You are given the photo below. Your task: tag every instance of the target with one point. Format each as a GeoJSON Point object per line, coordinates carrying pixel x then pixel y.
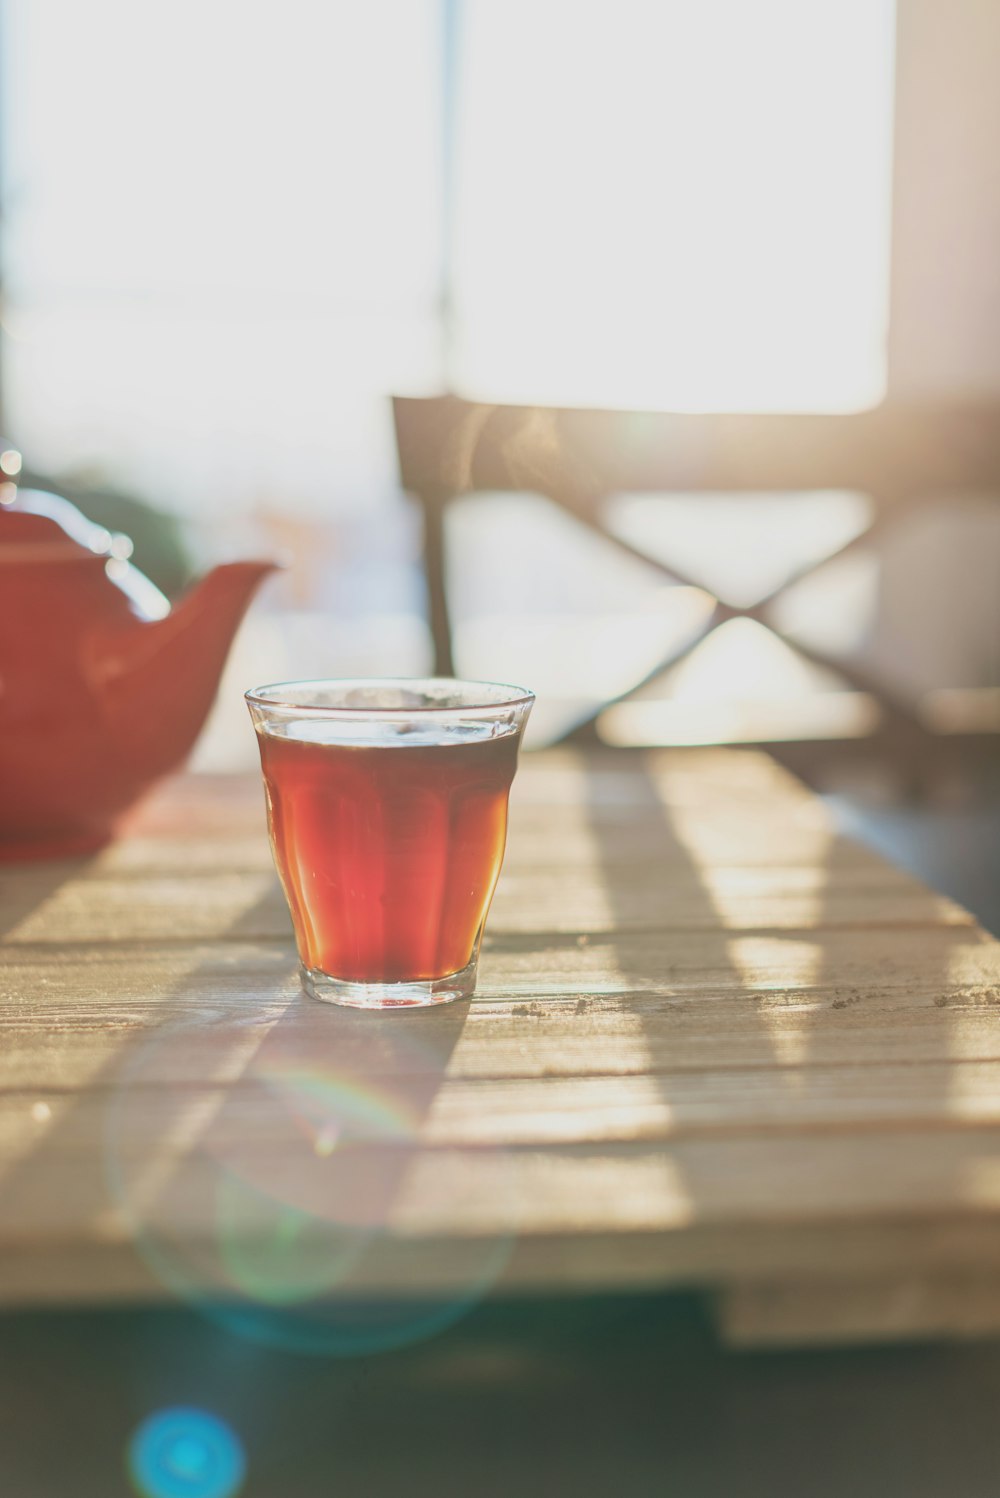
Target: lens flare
{"type": "Point", "coordinates": [303, 1204]}
{"type": "Point", "coordinates": [185, 1453]}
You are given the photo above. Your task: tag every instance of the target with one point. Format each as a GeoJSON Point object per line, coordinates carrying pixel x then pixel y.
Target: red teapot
{"type": "Point", "coordinates": [103, 686]}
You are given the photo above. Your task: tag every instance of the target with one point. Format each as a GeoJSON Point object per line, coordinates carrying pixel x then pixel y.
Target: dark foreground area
{"type": "Point", "coordinates": [598, 1397]}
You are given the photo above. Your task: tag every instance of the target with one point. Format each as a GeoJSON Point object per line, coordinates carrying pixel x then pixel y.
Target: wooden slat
{"type": "Point", "coordinates": [109, 1269]}
{"type": "Point", "coordinates": [571, 1189]}
{"type": "Point", "coordinates": [508, 1111]}
{"type": "Point", "coordinates": [196, 906]}
{"type": "Point", "coordinates": [909, 1307]}
{"type": "Point", "coordinates": [545, 1008]}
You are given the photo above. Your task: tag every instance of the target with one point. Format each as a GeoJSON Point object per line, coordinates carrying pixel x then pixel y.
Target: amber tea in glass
{"type": "Point", "coordinates": [387, 811]}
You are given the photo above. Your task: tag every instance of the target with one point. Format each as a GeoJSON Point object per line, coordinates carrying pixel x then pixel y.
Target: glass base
{"type": "Point", "coordinates": [421, 993]}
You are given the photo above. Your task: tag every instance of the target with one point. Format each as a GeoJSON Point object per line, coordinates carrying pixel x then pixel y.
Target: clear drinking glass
{"type": "Point", "coordinates": [387, 811]}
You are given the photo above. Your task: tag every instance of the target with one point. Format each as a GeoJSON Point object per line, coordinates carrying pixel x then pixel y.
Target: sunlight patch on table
{"type": "Point", "coordinates": [750, 897]}
{"type": "Point", "coordinates": [599, 1024]}
{"type": "Point", "coordinates": [458, 1193]}
{"type": "Point", "coordinates": [549, 1111]}
{"type": "Point", "coordinates": [757, 959]}
{"type": "Point", "coordinates": [973, 963]}
{"type": "Point", "coordinates": [719, 823]}
{"type": "Point", "coordinates": [979, 1182]}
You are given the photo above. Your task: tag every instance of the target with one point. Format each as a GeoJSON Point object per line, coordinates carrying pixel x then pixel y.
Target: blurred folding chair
{"type": "Point", "coordinates": [899, 456]}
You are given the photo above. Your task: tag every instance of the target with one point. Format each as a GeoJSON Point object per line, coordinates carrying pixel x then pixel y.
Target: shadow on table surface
{"type": "Point", "coordinates": [224, 1096]}
{"type": "Point", "coordinates": [24, 887]}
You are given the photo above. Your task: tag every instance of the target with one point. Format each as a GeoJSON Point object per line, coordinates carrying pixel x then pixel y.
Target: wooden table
{"type": "Point", "coordinates": [714, 1044]}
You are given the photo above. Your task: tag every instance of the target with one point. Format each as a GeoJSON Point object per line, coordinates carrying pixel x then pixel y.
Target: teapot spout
{"type": "Point", "coordinates": [168, 670]}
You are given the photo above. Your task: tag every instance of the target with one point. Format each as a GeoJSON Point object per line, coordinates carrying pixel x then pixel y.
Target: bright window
{"type": "Point", "coordinates": [675, 203]}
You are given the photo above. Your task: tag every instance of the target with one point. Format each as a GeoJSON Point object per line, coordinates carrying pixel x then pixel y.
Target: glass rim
{"type": "Point", "coordinates": [273, 695]}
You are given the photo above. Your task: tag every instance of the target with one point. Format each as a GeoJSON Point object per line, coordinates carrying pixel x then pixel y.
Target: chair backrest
{"type": "Point", "coordinates": [896, 454]}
